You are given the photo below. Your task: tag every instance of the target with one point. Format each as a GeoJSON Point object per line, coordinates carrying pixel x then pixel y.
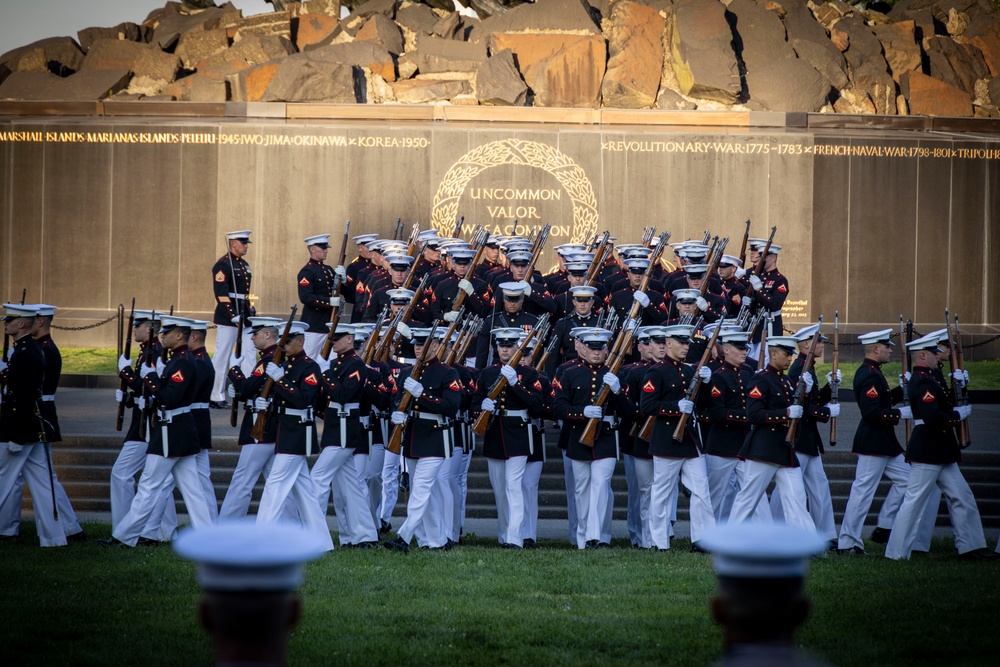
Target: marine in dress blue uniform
{"type": "Point", "coordinates": [317, 282]}
{"type": "Point", "coordinates": [231, 277]}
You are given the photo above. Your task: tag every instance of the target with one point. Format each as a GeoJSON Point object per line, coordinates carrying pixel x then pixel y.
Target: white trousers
{"type": "Point", "coordinates": [31, 463]}
{"type": "Point", "coordinates": [10, 510]}
{"type": "Point", "coordinates": [225, 342]}
{"type": "Point", "coordinates": [129, 463]}
{"type": "Point", "coordinates": [723, 485]}
{"type": "Point", "coordinates": [254, 460]}
{"type": "Point", "coordinates": [158, 475]}
{"type": "Point", "coordinates": [162, 523]}
{"type": "Point", "coordinates": [289, 477]}
{"type": "Point", "coordinates": [756, 476]}
{"type": "Point", "coordinates": [644, 488]}
{"type": "Point", "coordinates": [593, 496]}
{"type": "Point", "coordinates": [962, 505]}
{"type": "Point", "coordinates": [205, 471]}
{"type": "Point", "coordinates": [455, 466]}
{"type": "Point", "coordinates": [464, 482]}
{"type": "Point", "coordinates": [529, 489]}
{"type": "Point", "coordinates": [335, 467]}
{"type": "Point", "coordinates": [632, 522]}
{"type": "Point", "coordinates": [663, 494]}
{"type": "Point", "coordinates": [867, 476]}
{"type": "Point", "coordinates": [570, 497]}
{"type": "Point", "coordinates": [373, 478]}
{"type": "Point", "coordinates": [818, 500]}
{"type": "Point", "coordinates": [313, 345]}
{"type": "Point", "coordinates": [390, 485]}
{"type": "Point", "coordinates": [423, 509]}
{"type": "Point", "coordinates": [445, 500]}
{"type": "Point", "coordinates": [507, 478]}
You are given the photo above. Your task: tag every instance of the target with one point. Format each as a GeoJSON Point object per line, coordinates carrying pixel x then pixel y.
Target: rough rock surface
{"type": "Point", "coordinates": [382, 31]}
{"type": "Point", "coordinates": [91, 85]}
{"type": "Point", "coordinates": [127, 31]}
{"type": "Point", "coordinates": [561, 70]}
{"type": "Point", "coordinates": [635, 60]}
{"type": "Point", "coordinates": [316, 30]}
{"type": "Point", "coordinates": [361, 54]}
{"type": "Point", "coordinates": [425, 91]}
{"type": "Point", "coordinates": [701, 51]}
{"type": "Point", "coordinates": [928, 96]}
{"type": "Point", "coordinates": [498, 83]}
{"type": "Point", "coordinates": [435, 54]}
{"type": "Point", "coordinates": [301, 80]}
{"type": "Point", "coordinates": [196, 45]}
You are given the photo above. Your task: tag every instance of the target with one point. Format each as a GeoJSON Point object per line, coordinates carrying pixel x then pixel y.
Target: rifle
{"type": "Point", "coordinates": [482, 422]}
{"type": "Point", "coordinates": [713, 265]}
{"type": "Point", "coordinates": [758, 268]}
{"type": "Point", "coordinates": [147, 412]}
{"type": "Point", "coordinates": [479, 238]}
{"type": "Point", "coordinates": [337, 285]}
{"type": "Point", "coordinates": [549, 350]}
{"type": "Point", "coordinates": [743, 248]}
{"type": "Point", "coordinates": [477, 326]}
{"type": "Point", "coordinates": [694, 385]}
{"type": "Point", "coordinates": [799, 397]}
{"type": "Point", "coordinates": [536, 251]}
{"type": "Point", "coordinates": [623, 342]}
{"type": "Point", "coordinates": [443, 348]}
{"type": "Point", "coordinates": [120, 420]}
{"type": "Point", "coordinates": [395, 441]}
{"type": "Point", "coordinates": [397, 233]}
{"type": "Point", "coordinates": [234, 409]}
{"type": "Point", "coordinates": [708, 235]}
{"type": "Point", "coordinates": [279, 356]}
{"type": "Point", "coordinates": [470, 328]}
{"type": "Point", "coordinates": [762, 353]}
{"type": "Point", "coordinates": [905, 359]}
{"type": "Point", "coordinates": [411, 245]}
{"type": "Point", "coordinates": [458, 227]}
{"type": "Point", "coordinates": [403, 315]}
{"type": "Point", "coordinates": [964, 437]}
{"type": "Point", "coordinates": [368, 351]}
{"type": "Point", "coordinates": [595, 264]}
{"type": "Point", "coordinates": [834, 382]}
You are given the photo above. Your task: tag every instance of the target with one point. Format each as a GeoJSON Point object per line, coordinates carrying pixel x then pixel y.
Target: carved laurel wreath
{"type": "Point", "coordinates": [528, 153]}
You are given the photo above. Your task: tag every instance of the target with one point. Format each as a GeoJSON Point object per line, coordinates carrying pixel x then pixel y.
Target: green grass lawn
{"type": "Point", "coordinates": [481, 605]}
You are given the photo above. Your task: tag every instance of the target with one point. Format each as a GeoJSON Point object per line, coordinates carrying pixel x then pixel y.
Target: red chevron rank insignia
{"type": "Point", "coordinates": [783, 289]}
{"type": "Point", "coordinates": [304, 281]}
{"type": "Point", "coordinates": [648, 387]}
{"type": "Point", "coordinates": [258, 371]}
{"type": "Point", "coordinates": [311, 379]}
{"type": "Point", "coordinates": [556, 384]}
{"type": "Point", "coordinates": [872, 393]}
{"type": "Point", "coordinates": [538, 385]}
{"type": "Point", "coordinates": [755, 393]}
{"type": "Point", "coordinates": [220, 277]}
{"type": "Point", "coordinates": [737, 299]}
{"type": "Point", "coordinates": [178, 376]}
{"type": "Point", "coordinates": [455, 386]}
{"type": "Point", "coordinates": [928, 397]}
{"type": "Point", "coordinates": [715, 392]}
{"type": "Point", "coordinates": [356, 375]}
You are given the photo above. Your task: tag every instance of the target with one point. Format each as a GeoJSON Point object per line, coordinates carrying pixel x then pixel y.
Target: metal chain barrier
{"type": "Point", "coordinates": [101, 323]}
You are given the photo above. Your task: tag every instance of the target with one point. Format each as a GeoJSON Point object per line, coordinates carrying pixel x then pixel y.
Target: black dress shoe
{"type": "Point", "coordinates": [591, 544]}
{"type": "Point", "coordinates": [450, 544]}
{"type": "Point", "coordinates": [384, 527]}
{"type": "Point", "coordinates": [397, 545]}
{"type": "Point", "coordinates": [8, 538]}
{"type": "Point", "coordinates": [881, 535]}
{"type": "Point", "coordinates": [529, 543]}
{"type": "Point", "coordinates": [510, 545]}
{"type": "Point", "coordinates": [219, 405]}
{"type": "Point", "coordinates": [365, 545]}
{"type": "Point", "coordinates": [77, 537]}
{"type": "Point", "coordinates": [980, 554]}
{"type": "Point", "coordinates": [113, 542]}
{"type": "Point", "coordinates": [696, 548]}
{"type": "Point", "coordinates": [147, 542]}
{"type": "Point", "coordinates": [853, 551]}
{"type": "Point", "coordinates": [603, 545]}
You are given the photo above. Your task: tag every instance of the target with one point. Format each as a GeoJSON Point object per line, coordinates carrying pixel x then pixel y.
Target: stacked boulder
{"type": "Point", "coordinates": [928, 57]}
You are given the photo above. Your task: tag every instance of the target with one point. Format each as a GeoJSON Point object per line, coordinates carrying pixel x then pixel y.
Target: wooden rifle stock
{"type": "Point", "coordinates": [536, 251]}
{"type": "Point", "coordinates": [120, 420]}
{"type": "Point", "coordinates": [713, 265]}
{"type": "Point", "coordinates": [396, 439]}
{"type": "Point", "coordinates": [480, 237]}
{"type": "Point", "coordinates": [834, 382]}
{"type": "Point", "coordinates": [743, 247]}
{"type": "Point", "coordinates": [964, 437]}
{"type": "Point", "coordinates": [260, 422]}
{"type": "Point", "coordinates": [338, 285]}
{"type": "Point", "coordinates": [413, 268]}
{"type": "Point", "coordinates": [482, 422]}
{"type": "Point", "coordinates": [443, 348]}
{"type": "Point", "coordinates": [458, 227]}
{"type": "Point", "coordinates": [695, 385]}
{"type": "Point", "coordinates": [146, 414]}
{"type": "Point", "coordinates": [799, 397]}
{"type": "Point", "coordinates": [234, 409]}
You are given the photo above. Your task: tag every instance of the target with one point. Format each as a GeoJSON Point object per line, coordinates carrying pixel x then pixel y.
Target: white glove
{"type": "Point", "coordinates": [740, 272]}
{"type": "Point", "coordinates": [487, 405]}
{"type": "Point", "coordinates": [3, 365]}
{"type": "Point", "coordinates": [160, 366]}
{"type": "Point", "coordinates": [612, 382]}
{"type": "Point", "coordinates": [414, 387]}
{"type": "Point", "coordinates": [260, 403]}
{"type": "Point", "coordinates": [593, 412]}
{"type": "Point", "coordinates": [324, 364]}
{"type": "Point", "coordinates": [335, 302]}
{"type": "Point", "coordinates": [959, 377]}
{"type": "Point", "coordinates": [756, 283]}
{"type": "Point", "coordinates": [451, 316]}
{"type": "Point", "coordinates": [834, 409]}
{"type": "Point", "coordinates": [685, 406]}
{"type": "Point", "coordinates": [905, 412]}
{"type": "Point", "coordinates": [509, 373]}
{"type": "Point", "coordinates": [341, 271]}
{"type": "Point", "coordinates": [403, 330]}
{"type": "Point", "coordinates": [527, 289]}
{"type": "Point", "coordinates": [235, 361]}
{"type": "Point", "coordinates": [705, 373]}
{"type": "Point", "coordinates": [140, 402]}
{"type": "Point", "coordinates": [119, 395]}
{"type": "Point", "coordinates": [14, 448]}
{"type": "Point", "coordinates": [795, 412]}
{"type": "Point", "coordinates": [964, 411]}
{"type": "Point", "coordinates": [274, 371]}
{"type": "Point", "coordinates": [966, 373]}
{"type": "Point", "coordinates": [231, 391]}
{"type": "Point", "coordinates": [235, 320]}
{"type": "Point", "coordinates": [807, 380]}
{"type": "Point", "coordinates": [829, 377]}
{"type": "Point", "coordinates": [905, 377]}
{"type": "Point", "coordinates": [641, 298]}
{"type": "Point", "coordinates": [146, 370]}
{"type": "Point", "coordinates": [123, 363]}
{"type": "Point", "coordinates": [701, 304]}
{"type": "Point", "coordinates": [397, 417]}
{"type": "Point", "coordinates": [466, 287]}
